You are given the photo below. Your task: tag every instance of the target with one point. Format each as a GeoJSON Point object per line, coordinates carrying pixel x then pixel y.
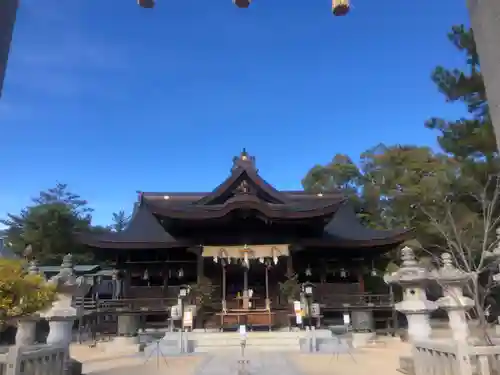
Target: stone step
{"type": "Point", "coordinates": [249, 342]}
{"type": "Point", "coordinates": [261, 341]}
{"type": "Point", "coordinates": [250, 335]}
{"type": "Point", "coordinates": [216, 349]}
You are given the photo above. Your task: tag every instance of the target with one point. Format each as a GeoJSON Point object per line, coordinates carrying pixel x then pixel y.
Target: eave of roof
{"type": "Point", "coordinates": [293, 210]}
{"type": "Point", "coordinates": [144, 230]}
{"type": "Point", "coordinates": [345, 230]}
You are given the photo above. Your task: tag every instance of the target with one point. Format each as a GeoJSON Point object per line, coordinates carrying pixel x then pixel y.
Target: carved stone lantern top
{"type": "Point", "coordinates": [410, 272]}
{"type": "Point", "coordinates": [67, 286]}
{"type": "Point", "coordinates": [449, 273]}
{"type": "Point", "coordinates": [33, 268]}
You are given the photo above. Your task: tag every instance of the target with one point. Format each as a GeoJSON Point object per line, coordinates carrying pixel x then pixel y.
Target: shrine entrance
{"type": "Point", "coordinates": [255, 284]}
{"type": "Point", "coordinates": [250, 277]}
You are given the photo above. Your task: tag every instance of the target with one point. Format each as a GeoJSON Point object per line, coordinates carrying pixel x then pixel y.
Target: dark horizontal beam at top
{"type": "Point", "coordinates": [8, 11]}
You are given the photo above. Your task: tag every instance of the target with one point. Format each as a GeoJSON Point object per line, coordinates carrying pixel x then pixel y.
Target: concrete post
{"type": "Point", "coordinates": [485, 22]}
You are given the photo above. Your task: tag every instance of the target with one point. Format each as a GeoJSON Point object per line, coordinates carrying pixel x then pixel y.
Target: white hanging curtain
{"type": "Point", "coordinates": [253, 251]}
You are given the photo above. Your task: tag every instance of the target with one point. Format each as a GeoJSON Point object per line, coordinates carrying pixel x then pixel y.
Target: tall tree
{"type": "Point", "coordinates": [401, 180]}
{"type": "Point", "coordinates": [341, 174]}
{"type": "Point", "coordinates": [470, 140]}
{"type": "Point", "coordinates": [49, 226]}
{"type": "Point", "coordinates": [120, 221]}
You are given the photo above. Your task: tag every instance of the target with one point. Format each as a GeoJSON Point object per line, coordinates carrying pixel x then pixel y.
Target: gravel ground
{"type": "Point", "coordinates": [381, 358]}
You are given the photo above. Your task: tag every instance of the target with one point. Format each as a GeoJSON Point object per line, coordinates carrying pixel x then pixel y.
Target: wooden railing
{"type": "Point", "coordinates": [326, 298]}
{"type": "Point", "coordinates": [355, 300]}
{"type": "Point", "coordinates": [132, 304]}
{"type": "Point", "coordinates": [436, 357]}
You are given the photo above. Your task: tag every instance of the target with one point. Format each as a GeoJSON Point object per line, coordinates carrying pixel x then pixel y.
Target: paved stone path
{"type": "Point", "coordinates": [227, 363]}
{"type": "Point", "coordinates": [263, 363]}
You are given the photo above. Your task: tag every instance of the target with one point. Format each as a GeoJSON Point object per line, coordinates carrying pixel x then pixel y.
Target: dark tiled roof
{"type": "Point", "coordinates": [345, 230]}
{"type": "Point", "coordinates": [245, 189]}
{"type": "Point", "coordinates": [143, 230]}
{"type": "Point", "coordinates": [293, 210]}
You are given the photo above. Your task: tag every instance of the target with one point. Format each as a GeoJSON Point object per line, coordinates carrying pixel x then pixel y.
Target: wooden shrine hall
{"type": "Point", "coordinates": [251, 243]}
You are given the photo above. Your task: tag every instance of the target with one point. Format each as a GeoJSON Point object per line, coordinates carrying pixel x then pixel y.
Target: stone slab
{"type": "Point", "coordinates": [253, 362]}
{"type": "Point", "coordinates": [406, 365]}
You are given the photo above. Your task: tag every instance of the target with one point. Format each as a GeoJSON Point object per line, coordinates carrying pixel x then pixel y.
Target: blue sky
{"type": "Point", "coordinates": [112, 98]}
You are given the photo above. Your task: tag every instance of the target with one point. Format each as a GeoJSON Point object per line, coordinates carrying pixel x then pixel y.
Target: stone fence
{"type": "Point", "coordinates": [34, 360]}
{"type": "Point", "coordinates": [452, 357]}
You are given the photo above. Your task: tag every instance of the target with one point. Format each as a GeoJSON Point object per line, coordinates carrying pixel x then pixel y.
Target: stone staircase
{"type": "Point", "coordinates": [204, 342]}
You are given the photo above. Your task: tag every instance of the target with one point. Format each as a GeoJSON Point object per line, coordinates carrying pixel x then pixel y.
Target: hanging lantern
{"type": "Point", "coordinates": [343, 273]}
{"type": "Point", "coordinates": [246, 261]}
{"type": "Point", "coordinates": [374, 270]}
{"type": "Point", "coordinates": [146, 275]}
{"type": "Point", "coordinates": [308, 271]}
{"type": "Point", "coordinates": [180, 273]}
{"type": "Point", "coordinates": [146, 3]}
{"type": "Point", "coordinates": [275, 256]}
{"type": "Point", "coordinates": [242, 3]}
{"type": "Point", "coordinates": [340, 7]}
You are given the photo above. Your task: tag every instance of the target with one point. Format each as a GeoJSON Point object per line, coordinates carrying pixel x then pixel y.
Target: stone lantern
{"type": "Point", "coordinates": [63, 313]}
{"type": "Point", "coordinates": [452, 281]}
{"type": "Point", "coordinates": [415, 305]}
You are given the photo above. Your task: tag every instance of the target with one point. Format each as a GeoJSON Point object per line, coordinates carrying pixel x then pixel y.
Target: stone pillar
{"type": "Point", "coordinates": [415, 305]}
{"type": "Point", "coordinates": [485, 22]}
{"type": "Point", "coordinates": [26, 326]}
{"type": "Point", "coordinates": [128, 325]}
{"type": "Point", "coordinates": [64, 312]}
{"type": "Point", "coordinates": [26, 331]}
{"type": "Point", "coordinates": [452, 281]}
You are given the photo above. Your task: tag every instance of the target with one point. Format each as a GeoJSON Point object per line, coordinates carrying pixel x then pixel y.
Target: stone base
{"type": "Point", "coordinates": [497, 329]}
{"type": "Point", "coordinates": [406, 365]}
{"type": "Point", "coordinates": [362, 339]}
{"type": "Point", "coordinates": [121, 345]}
{"type": "Point", "coordinates": [75, 367]}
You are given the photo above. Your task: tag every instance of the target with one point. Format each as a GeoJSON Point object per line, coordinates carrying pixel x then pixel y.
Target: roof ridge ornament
{"type": "Point", "coordinates": [244, 160]}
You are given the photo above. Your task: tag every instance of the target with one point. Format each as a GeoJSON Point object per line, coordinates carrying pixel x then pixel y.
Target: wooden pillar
{"type": "Point", "coordinates": [268, 301]}
{"type": "Point", "coordinates": [164, 273]}
{"type": "Point", "coordinates": [224, 307]}
{"type": "Point", "coordinates": [199, 266]}
{"type": "Point", "coordinates": [246, 298]}
{"type": "Point", "coordinates": [126, 282]}
{"type": "Point", "coordinates": [361, 281]}
{"type": "Point", "coordinates": [289, 265]}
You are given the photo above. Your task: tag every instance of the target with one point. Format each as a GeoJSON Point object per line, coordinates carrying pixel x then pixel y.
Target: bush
{"type": "Point", "coordinates": [22, 294]}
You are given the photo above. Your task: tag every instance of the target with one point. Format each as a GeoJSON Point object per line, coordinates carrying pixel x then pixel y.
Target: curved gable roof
{"type": "Point", "coordinates": [240, 175]}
